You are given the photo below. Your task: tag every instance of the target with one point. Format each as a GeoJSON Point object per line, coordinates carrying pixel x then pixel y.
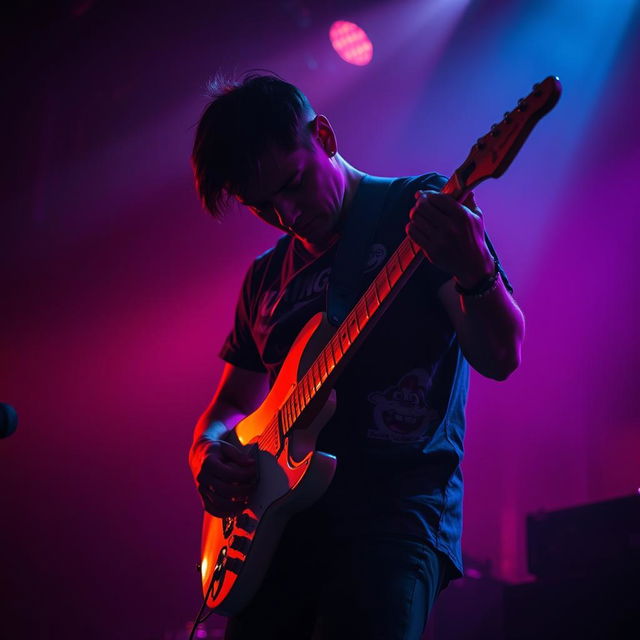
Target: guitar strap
{"type": "Point", "coordinates": [347, 272]}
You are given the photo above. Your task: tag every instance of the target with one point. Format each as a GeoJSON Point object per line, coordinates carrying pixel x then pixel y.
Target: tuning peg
{"type": "Point", "coordinates": [522, 105]}
{"type": "Point", "coordinates": [507, 117]}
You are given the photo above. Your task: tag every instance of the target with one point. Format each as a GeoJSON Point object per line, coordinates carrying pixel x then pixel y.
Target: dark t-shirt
{"type": "Point", "coordinates": [399, 425]}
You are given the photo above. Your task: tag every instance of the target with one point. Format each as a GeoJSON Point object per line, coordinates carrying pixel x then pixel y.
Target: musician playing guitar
{"type": "Point", "coordinates": [368, 559]}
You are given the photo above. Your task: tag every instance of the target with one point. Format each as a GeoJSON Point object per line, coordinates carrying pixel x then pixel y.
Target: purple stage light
{"type": "Point", "coordinates": [351, 42]}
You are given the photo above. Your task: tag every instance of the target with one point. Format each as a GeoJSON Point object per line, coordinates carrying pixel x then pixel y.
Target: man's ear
{"type": "Point", "coordinates": [323, 132]}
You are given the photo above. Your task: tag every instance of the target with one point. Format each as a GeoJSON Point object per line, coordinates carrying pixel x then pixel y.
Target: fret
{"type": "Point", "coordinates": [275, 429]}
{"type": "Point", "coordinates": [331, 354]}
{"type": "Point", "coordinates": [300, 399]}
{"type": "Point", "coordinates": [361, 310]}
{"type": "Point", "coordinates": [376, 291]}
{"type": "Point", "coordinates": [292, 418]}
{"type": "Point", "coordinates": [310, 386]}
{"type": "Point", "coordinates": [322, 365]}
{"type": "Point", "coordinates": [317, 375]}
{"type": "Point", "coordinates": [324, 361]}
{"type": "Point", "coordinates": [336, 352]}
{"type": "Point", "coordinates": [378, 284]}
{"type": "Point", "coordinates": [345, 343]}
{"type": "Point", "coordinates": [292, 415]}
{"type": "Point", "coordinates": [306, 396]}
{"type": "Point", "coordinates": [371, 298]}
{"type": "Point", "coordinates": [406, 256]}
{"type": "Point", "coordinates": [356, 319]}
{"type": "Point", "coordinates": [386, 276]}
{"type": "Point", "coordinates": [362, 307]}
{"type": "Point", "coordinates": [335, 344]}
{"type": "Point", "coordinates": [333, 362]}
{"type": "Point", "coordinates": [328, 359]}
{"type": "Point", "coordinates": [352, 328]}
{"type": "Point", "coordinates": [288, 413]}
{"type": "Point", "coordinates": [395, 268]}
{"type": "Point", "coordinates": [296, 406]}
{"type": "Point", "coordinates": [366, 307]}
{"type": "Point", "coordinates": [313, 377]}
{"type": "Point", "coordinates": [307, 388]}
{"type": "Point", "coordinates": [292, 409]}
{"type": "Point", "coordinates": [385, 285]}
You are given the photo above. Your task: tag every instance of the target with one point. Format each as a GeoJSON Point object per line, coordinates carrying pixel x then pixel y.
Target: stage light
{"type": "Point", "coordinates": [351, 42]}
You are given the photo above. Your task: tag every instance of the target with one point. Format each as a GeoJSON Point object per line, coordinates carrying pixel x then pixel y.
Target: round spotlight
{"type": "Point", "coordinates": [351, 42]}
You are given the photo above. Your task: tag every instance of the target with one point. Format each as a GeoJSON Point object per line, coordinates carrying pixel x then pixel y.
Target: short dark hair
{"type": "Point", "coordinates": [242, 120]}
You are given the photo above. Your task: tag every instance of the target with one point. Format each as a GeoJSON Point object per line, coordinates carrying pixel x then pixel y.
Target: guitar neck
{"type": "Point", "coordinates": [326, 368]}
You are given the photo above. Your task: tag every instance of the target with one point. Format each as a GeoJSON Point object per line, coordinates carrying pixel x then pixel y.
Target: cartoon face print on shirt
{"type": "Point", "coordinates": [401, 412]}
{"type": "Point", "coordinates": [377, 255]}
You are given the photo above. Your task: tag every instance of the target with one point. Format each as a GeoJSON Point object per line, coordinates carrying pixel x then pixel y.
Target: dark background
{"type": "Point", "coordinates": [117, 289]}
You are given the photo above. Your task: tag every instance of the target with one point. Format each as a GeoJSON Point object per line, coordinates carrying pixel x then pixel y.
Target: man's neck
{"type": "Point", "coordinates": [353, 177]}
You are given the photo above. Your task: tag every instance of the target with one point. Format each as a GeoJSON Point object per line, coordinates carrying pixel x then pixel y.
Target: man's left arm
{"type": "Point", "coordinates": [488, 322]}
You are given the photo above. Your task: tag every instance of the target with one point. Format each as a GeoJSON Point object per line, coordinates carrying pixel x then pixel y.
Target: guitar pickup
{"type": "Point", "coordinates": [241, 543]}
{"type": "Point", "coordinates": [246, 522]}
{"type": "Point", "coordinates": [233, 564]}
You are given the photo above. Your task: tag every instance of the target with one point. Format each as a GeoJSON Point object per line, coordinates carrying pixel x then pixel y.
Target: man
{"type": "Point", "coordinates": [369, 558]}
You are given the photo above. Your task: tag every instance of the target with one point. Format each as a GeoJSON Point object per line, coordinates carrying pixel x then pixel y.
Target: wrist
{"type": "Point", "coordinates": [203, 439]}
{"type": "Point", "coordinates": [479, 286]}
{"type": "Point", "coordinates": [472, 279]}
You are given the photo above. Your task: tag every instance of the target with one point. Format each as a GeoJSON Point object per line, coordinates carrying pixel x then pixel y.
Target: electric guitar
{"type": "Point", "coordinates": [236, 551]}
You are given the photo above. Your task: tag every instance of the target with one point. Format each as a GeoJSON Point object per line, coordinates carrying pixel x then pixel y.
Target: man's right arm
{"type": "Point", "coordinates": [224, 474]}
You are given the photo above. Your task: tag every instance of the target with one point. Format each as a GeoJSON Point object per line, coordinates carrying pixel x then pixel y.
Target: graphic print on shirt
{"type": "Point", "coordinates": [302, 290]}
{"type": "Point", "coordinates": [298, 293]}
{"type": "Point", "coordinates": [401, 412]}
{"type": "Point", "coordinates": [377, 255]}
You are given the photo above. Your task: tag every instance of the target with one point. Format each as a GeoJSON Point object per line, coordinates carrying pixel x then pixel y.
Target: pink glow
{"type": "Point", "coordinates": [351, 43]}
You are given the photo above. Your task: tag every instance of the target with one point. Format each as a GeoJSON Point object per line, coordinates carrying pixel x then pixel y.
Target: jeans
{"type": "Point", "coordinates": [327, 587]}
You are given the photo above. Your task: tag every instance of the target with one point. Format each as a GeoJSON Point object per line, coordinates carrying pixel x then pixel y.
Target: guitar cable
{"type": "Point", "coordinates": [199, 617]}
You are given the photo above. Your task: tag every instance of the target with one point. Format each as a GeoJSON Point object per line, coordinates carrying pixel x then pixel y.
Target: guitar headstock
{"type": "Point", "coordinates": [492, 154]}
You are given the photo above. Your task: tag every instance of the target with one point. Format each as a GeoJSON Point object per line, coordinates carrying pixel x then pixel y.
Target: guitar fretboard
{"type": "Point", "coordinates": [326, 366]}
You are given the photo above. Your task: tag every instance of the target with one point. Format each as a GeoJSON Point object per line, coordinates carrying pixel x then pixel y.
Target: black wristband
{"type": "Point", "coordinates": [484, 286]}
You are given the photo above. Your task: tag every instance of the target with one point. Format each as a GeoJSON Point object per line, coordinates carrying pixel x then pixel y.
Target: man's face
{"type": "Point", "coordinates": [301, 191]}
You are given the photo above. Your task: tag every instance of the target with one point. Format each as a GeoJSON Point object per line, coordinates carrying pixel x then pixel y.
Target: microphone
{"type": "Point", "coordinates": [8, 420]}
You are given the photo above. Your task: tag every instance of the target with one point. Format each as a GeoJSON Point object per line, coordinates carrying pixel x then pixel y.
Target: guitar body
{"type": "Point", "coordinates": [236, 551]}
